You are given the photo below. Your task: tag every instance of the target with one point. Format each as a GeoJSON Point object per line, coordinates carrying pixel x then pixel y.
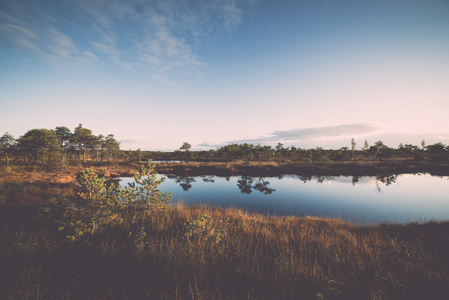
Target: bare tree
{"type": "Point", "coordinates": [353, 144]}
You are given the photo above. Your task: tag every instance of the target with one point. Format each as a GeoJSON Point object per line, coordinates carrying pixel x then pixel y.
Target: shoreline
{"type": "Point", "coordinates": [277, 169]}
{"type": "Point", "coordinates": [254, 169]}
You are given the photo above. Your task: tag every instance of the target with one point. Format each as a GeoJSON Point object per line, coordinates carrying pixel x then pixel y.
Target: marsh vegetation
{"type": "Point", "coordinates": [106, 242]}
{"type": "Point", "coordinates": [68, 234]}
{"type": "Point", "coordinates": [59, 148]}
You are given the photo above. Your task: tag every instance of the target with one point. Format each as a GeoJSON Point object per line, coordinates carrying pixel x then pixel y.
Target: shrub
{"type": "Point", "coordinates": [99, 206]}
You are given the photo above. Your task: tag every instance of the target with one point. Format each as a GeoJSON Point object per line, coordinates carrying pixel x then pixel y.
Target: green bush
{"type": "Point", "coordinates": [100, 206]}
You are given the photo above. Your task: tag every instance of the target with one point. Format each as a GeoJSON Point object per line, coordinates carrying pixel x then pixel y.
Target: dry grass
{"type": "Point", "coordinates": [211, 253]}
{"type": "Point", "coordinates": [19, 194]}
{"type": "Point", "coordinates": [63, 175]}
{"type": "Point", "coordinates": [66, 174]}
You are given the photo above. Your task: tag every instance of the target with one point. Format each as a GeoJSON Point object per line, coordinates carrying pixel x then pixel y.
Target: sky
{"type": "Point", "coordinates": [308, 73]}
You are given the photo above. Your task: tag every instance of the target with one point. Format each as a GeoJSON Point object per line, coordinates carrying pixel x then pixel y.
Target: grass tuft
{"type": "Point", "coordinates": [200, 252]}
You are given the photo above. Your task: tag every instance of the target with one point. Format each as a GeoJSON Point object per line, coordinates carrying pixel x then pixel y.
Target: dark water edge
{"type": "Point", "coordinates": [277, 169]}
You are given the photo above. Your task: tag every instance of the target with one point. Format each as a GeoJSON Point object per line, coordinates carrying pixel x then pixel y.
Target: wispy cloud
{"type": "Point", "coordinates": [210, 145]}
{"type": "Point", "coordinates": [319, 132]}
{"type": "Point", "coordinates": [301, 134]}
{"type": "Point", "coordinates": [310, 133]}
{"type": "Point", "coordinates": [160, 37]}
{"type": "Point", "coordinates": [35, 32]}
{"type": "Point", "coordinates": [336, 136]}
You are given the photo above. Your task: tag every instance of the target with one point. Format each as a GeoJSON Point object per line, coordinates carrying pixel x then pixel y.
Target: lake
{"type": "Point", "coordinates": [361, 200]}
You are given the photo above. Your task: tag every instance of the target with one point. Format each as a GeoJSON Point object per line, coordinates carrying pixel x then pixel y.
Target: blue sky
{"type": "Point", "coordinates": [159, 73]}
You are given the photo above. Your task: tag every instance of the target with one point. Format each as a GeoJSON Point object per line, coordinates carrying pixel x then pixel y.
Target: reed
{"type": "Point", "coordinates": [201, 252]}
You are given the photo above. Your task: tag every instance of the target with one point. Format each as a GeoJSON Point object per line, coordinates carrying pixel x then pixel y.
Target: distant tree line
{"type": "Point", "coordinates": [61, 146]}
{"type": "Point", "coordinates": [247, 152]}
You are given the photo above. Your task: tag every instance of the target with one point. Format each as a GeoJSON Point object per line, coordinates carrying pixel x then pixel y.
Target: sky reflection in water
{"type": "Point", "coordinates": [362, 200]}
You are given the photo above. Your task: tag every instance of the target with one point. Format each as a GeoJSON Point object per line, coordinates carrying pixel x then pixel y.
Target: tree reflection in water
{"type": "Point", "coordinates": [184, 182]}
{"type": "Point", "coordinates": [385, 179]}
{"type": "Point", "coordinates": [305, 178]}
{"type": "Point", "coordinates": [262, 186]}
{"type": "Point", "coordinates": [208, 179]}
{"type": "Point", "coordinates": [246, 185]}
{"type": "Point", "coordinates": [321, 179]}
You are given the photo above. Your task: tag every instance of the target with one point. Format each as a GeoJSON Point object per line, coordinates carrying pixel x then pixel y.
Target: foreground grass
{"type": "Point", "coordinates": [211, 253]}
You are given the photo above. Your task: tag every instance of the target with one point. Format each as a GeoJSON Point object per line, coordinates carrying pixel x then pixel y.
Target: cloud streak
{"type": "Point", "coordinates": [159, 37]}
{"type": "Point", "coordinates": [301, 135]}
{"type": "Point", "coordinates": [310, 133]}
{"type": "Point", "coordinates": [333, 137]}
{"type": "Point", "coordinates": [319, 132]}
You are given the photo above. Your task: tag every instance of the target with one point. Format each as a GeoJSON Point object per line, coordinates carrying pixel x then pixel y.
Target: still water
{"type": "Point", "coordinates": [361, 200]}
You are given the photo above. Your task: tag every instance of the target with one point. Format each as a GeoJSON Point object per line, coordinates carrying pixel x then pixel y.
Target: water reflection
{"type": "Point", "coordinates": [184, 182]}
{"type": "Point", "coordinates": [208, 179]}
{"type": "Point", "coordinates": [245, 184]}
{"type": "Point", "coordinates": [305, 178]}
{"type": "Point", "coordinates": [403, 198]}
{"type": "Point", "coordinates": [262, 186]}
{"type": "Point", "coordinates": [321, 179]}
{"type": "Point", "coordinates": [248, 184]}
{"type": "Point", "coordinates": [385, 179]}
